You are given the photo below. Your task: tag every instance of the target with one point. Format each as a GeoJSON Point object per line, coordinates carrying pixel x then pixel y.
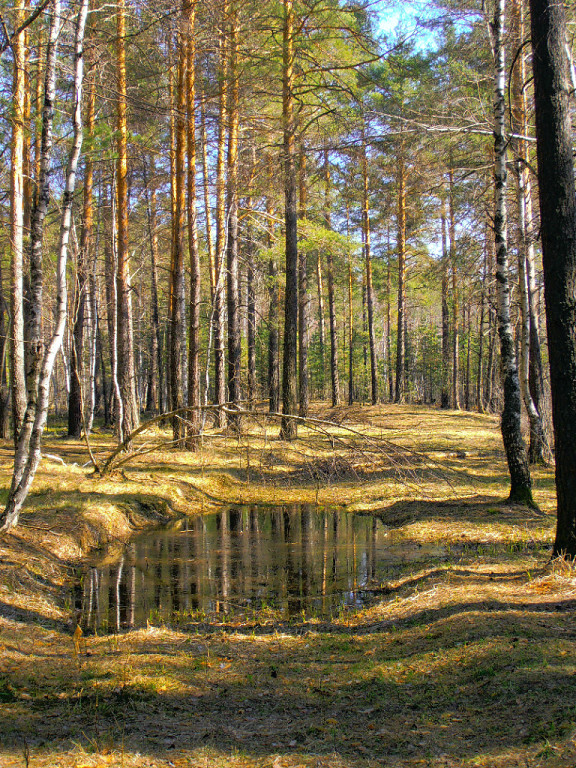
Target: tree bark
{"type": "Point", "coordinates": [18, 375]}
{"type": "Point", "coordinates": [75, 398]}
{"type": "Point", "coordinates": [219, 281]}
{"type": "Point", "coordinates": [401, 334]}
{"type": "Point", "coordinates": [521, 484]}
{"type": "Point", "coordinates": [288, 429]}
{"type": "Point", "coordinates": [177, 274]}
{"type": "Point", "coordinates": [126, 372]}
{"type": "Point", "coordinates": [155, 394]}
{"type": "Point", "coordinates": [455, 294]}
{"type": "Point", "coordinates": [232, 273]}
{"type": "Point", "coordinates": [552, 91]}
{"type": "Point", "coordinates": [334, 372]}
{"type": "Point", "coordinates": [28, 449]}
{"type": "Point", "coordinates": [445, 387]}
{"type": "Point", "coordinates": [273, 310]}
{"type": "Point", "coordinates": [529, 336]}
{"type": "Point", "coordinates": [303, 299]}
{"type": "Point", "coordinates": [193, 250]}
{"type": "Point", "coordinates": [368, 265]}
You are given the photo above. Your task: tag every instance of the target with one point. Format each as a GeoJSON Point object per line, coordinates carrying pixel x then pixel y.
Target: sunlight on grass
{"type": "Point", "coordinates": [465, 659]}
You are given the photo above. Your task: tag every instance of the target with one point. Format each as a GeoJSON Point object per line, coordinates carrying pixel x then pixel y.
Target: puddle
{"type": "Point", "coordinates": [283, 562]}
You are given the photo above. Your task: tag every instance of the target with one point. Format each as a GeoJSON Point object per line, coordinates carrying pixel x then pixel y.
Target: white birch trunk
{"type": "Point", "coordinates": [28, 449]}
{"type": "Point", "coordinates": [511, 413]}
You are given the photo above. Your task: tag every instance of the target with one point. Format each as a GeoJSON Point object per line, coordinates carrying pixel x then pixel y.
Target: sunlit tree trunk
{"type": "Point", "coordinates": [177, 275]}
{"type": "Point", "coordinates": [389, 322]}
{"type": "Point", "coordinates": [368, 266]}
{"type": "Point", "coordinates": [4, 392]}
{"type": "Point", "coordinates": [334, 373]}
{"type": "Point", "coordinates": [288, 429]}
{"type": "Point", "coordinates": [251, 248]}
{"type": "Point", "coordinates": [28, 448]}
{"type": "Point", "coordinates": [401, 335]}
{"type": "Point", "coordinates": [33, 331]}
{"type": "Point", "coordinates": [75, 398]}
{"type": "Point", "coordinates": [273, 310]}
{"type": "Point", "coordinates": [126, 374]}
{"type": "Point", "coordinates": [194, 254]}
{"type": "Point", "coordinates": [232, 273]}
{"type": "Point", "coordinates": [445, 389]}
{"type": "Point", "coordinates": [521, 484]}
{"type": "Point", "coordinates": [481, 323]}
{"type": "Point", "coordinates": [220, 276]}
{"type": "Point", "coordinates": [155, 394]}
{"type": "Point", "coordinates": [467, 319]}
{"type": "Point", "coordinates": [321, 323]}
{"type": "Point", "coordinates": [350, 334]}
{"type": "Point", "coordinates": [18, 379]}
{"type": "Point", "coordinates": [529, 336]}
{"type": "Point", "coordinates": [207, 206]}
{"type": "Point", "coordinates": [350, 316]}
{"type": "Point", "coordinates": [303, 299]}
{"type": "Point", "coordinates": [455, 294]}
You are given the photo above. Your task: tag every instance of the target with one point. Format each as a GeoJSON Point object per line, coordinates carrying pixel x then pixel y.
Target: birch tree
{"type": "Point", "coordinates": [521, 484]}
{"type": "Point", "coordinates": [28, 448]}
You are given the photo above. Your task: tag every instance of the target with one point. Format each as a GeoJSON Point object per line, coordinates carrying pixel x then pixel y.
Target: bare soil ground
{"type": "Point", "coordinates": [467, 660]}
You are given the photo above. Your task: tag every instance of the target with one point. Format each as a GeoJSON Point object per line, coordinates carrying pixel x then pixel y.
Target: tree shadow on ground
{"type": "Point", "coordinates": [473, 680]}
{"type": "Point", "coordinates": [480, 509]}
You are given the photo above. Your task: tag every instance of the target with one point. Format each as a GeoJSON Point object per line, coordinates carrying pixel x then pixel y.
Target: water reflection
{"type": "Point", "coordinates": [289, 560]}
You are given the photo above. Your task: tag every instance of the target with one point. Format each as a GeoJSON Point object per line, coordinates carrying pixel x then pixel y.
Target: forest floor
{"type": "Point", "coordinates": [468, 659]}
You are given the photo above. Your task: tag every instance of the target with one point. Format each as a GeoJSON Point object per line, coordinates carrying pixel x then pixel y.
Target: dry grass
{"type": "Point", "coordinates": [467, 660]}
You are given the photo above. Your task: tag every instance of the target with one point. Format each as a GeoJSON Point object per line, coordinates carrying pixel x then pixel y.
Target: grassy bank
{"type": "Point", "coordinates": [465, 660]}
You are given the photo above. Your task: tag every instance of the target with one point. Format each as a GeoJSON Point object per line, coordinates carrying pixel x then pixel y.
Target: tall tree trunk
{"type": "Point", "coordinates": [480, 365]}
{"type": "Point", "coordinates": [321, 324]}
{"type": "Point", "coordinates": [445, 390]}
{"type": "Point", "coordinates": [552, 91]}
{"type": "Point", "coordinates": [194, 254]}
{"type": "Point", "coordinates": [467, 318]}
{"type": "Point", "coordinates": [233, 280]}
{"type": "Point", "coordinates": [288, 430]}
{"type": "Point", "coordinates": [455, 294]}
{"type": "Point", "coordinates": [401, 336]}
{"type": "Point", "coordinates": [251, 247]}
{"type": "Point", "coordinates": [368, 264]}
{"type": "Point", "coordinates": [218, 304]}
{"type": "Point", "coordinates": [350, 316]}
{"type": "Point", "coordinates": [521, 484]}
{"type": "Point", "coordinates": [350, 334]}
{"type": "Point", "coordinates": [273, 311]}
{"type": "Point", "coordinates": [28, 448]}
{"type": "Point", "coordinates": [126, 372]}
{"type": "Point", "coordinates": [34, 329]}
{"type": "Point", "coordinates": [75, 399]}
{"type": "Point", "coordinates": [207, 208]}
{"type": "Point", "coordinates": [4, 392]}
{"type": "Point", "coordinates": [303, 299]}
{"type": "Point", "coordinates": [389, 321]}
{"type": "Point", "coordinates": [18, 380]}
{"type": "Point", "coordinates": [111, 268]}
{"type": "Point", "coordinates": [155, 394]}
{"type": "Point", "coordinates": [177, 274]}
{"type": "Point", "coordinates": [334, 373]}
{"type": "Point", "coordinates": [529, 321]}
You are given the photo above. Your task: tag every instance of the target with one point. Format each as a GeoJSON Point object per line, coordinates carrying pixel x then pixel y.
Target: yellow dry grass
{"type": "Point", "coordinates": [467, 660]}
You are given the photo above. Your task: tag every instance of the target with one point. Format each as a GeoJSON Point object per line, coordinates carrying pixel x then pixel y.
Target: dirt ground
{"type": "Point", "coordinates": [465, 660]}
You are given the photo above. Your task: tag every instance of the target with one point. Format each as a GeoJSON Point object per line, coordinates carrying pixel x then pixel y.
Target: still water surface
{"type": "Point", "coordinates": [283, 561]}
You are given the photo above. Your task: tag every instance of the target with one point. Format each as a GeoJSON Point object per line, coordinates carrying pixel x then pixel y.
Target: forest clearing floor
{"type": "Point", "coordinates": [466, 660]}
